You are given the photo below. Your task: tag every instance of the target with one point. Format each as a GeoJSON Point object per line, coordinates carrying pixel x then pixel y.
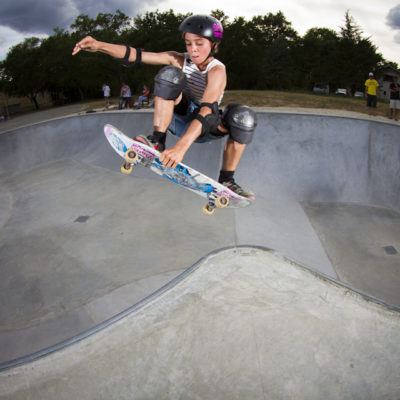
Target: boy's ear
{"type": "Point", "coordinates": [214, 47]}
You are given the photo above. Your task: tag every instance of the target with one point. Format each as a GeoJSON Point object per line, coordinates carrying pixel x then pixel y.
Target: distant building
{"type": "Point", "coordinates": [385, 78]}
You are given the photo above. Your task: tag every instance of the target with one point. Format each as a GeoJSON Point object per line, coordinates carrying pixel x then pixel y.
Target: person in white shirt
{"type": "Point", "coordinates": [106, 92]}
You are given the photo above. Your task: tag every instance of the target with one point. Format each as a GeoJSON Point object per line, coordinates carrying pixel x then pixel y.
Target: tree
{"type": "Point", "coordinates": [90, 70]}
{"type": "Point", "coordinates": [221, 16]}
{"type": "Point", "coordinates": [355, 56]}
{"type": "Point", "coordinates": [351, 30]}
{"type": "Point", "coordinates": [22, 70]}
{"type": "Point", "coordinates": [262, 53]}
{"type": "Point", "coordinates": [235, 51]}
{"type": "Point", "coordinates": [315, 56]}
{"type": "Point", "coordinates": [277, 66]}
{"type": "Point", "coordinates": [103, 22]}
{"type": "Point", "coordinates": [153, 31]}
{"type": "Point", "coordinates": [272, 38]}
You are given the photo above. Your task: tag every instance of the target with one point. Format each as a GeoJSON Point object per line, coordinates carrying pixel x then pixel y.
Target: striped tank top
{"type": "Point", "coordinates": [196, 80]}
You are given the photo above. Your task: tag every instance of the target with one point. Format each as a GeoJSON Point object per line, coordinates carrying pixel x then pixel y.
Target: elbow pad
{"type": "Point", "coordinates": [210, 122]}
{"type": "Point", "coordinates": [125, 60]}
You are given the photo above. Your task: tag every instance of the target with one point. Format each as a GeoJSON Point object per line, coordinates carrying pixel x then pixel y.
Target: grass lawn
{"type": "Point", "coordinates": [271, 98]}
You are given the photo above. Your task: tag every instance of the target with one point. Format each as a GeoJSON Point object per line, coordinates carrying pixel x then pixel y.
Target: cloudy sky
{"type": "Point", "coordinates": [378, 19]}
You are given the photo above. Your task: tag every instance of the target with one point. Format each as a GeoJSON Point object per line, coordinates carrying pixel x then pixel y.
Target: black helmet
{"type": "Point", "coordinates": [203, 25]}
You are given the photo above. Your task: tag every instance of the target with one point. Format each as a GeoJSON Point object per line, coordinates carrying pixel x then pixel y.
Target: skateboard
{"type": "Point", "coordinates": [136, 153]}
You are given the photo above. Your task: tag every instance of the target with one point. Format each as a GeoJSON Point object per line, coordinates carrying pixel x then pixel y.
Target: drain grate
{"type": "Point", "coordinates": [82, 218]}
{"type": "Point", "coordinates": [390, 250]}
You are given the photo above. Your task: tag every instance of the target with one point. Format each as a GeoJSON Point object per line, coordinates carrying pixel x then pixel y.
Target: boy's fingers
{"type": "Point", "coordinates": [76, 50]}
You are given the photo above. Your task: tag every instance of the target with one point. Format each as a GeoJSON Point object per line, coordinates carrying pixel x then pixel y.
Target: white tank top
{"type": "Point", "coordinates": [196, 80]}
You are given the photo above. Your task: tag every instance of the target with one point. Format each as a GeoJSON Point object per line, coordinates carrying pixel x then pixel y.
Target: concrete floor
{"type": "Point", "coordinates": [244, 324]}
{"type": "Point", "coordinates": [360, 236]}
{"type": "Point", "coordinates": [80, 242]}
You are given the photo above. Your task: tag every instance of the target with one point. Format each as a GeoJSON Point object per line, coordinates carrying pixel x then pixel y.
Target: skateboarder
{"type": "Point", "coordinates": [188, 91]}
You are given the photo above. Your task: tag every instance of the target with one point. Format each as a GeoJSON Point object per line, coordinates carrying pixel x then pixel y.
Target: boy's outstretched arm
{"type": "Point", "coordinates": [92, 45]}
{"type": "Point", "coordinates": [119, 50]}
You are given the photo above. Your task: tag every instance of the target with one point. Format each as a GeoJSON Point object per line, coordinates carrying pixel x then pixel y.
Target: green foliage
{"type": "Point", "coordinates": [22, 70]}
{"type": "Point", "coordinates": [263, 53]}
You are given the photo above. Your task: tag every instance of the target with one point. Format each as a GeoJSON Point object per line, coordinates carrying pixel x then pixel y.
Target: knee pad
{"type": "Point", "coordinates": [210, 122]}
{"type": "Point", "coordinates": [169, 83]}
{"type": "Point", "coordinates": [241, 121]}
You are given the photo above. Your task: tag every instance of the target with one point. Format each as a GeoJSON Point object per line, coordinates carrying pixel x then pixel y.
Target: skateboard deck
{"type": "Point", "coordinates": [135, 153]}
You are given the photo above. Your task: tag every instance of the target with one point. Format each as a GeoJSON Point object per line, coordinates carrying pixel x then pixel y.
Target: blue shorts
{"type": "Point", "coordinates": [180, 124]}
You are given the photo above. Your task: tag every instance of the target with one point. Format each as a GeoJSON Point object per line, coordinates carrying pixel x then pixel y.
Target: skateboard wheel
{"type": "Point", "coordinates": [126, 168]}
{"type": "Point", "coordinates": [208, 209]}
{"type": "Point", "coordinates": [221, 201]}
{"type": "Point", "coordinates": [131, 156]}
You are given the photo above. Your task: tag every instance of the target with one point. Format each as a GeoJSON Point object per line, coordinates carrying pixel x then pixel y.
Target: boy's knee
{"type": "Point", "coordinates": [241, 122]}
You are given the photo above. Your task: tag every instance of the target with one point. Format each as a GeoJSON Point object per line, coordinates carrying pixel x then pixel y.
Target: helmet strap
{"type": "Point", "coordinates": [211, 54]}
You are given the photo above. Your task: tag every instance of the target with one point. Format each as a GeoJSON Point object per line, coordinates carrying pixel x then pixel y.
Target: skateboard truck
{"type": "Point", "coordinates": [131, 158]}
{"type": "Point", "coordinates": [214, 202]}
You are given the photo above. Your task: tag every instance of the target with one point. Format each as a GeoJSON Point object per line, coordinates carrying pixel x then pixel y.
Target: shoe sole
{"type": "Point", "coordinates": [250, 196]}
{"type": "Point", "coordinates": [143, 139]}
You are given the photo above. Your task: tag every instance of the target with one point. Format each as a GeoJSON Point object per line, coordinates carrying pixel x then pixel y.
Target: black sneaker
{"type": "Point", "coordinates": [232, 185]}
{"type": "Point", "coordinates": [152, 141]}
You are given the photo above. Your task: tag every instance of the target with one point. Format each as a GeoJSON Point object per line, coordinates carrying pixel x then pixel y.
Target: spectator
{"type": "Point", "coordinates": [106, 91]}
{"type": "Point", "coordinates": [370, 91]}
{"type": "Point", "coordinates": [394, 98]}
{"type": "Point", "coordinates": [125, 96]}
{"type": "Point", "coordinates": [144, 97]}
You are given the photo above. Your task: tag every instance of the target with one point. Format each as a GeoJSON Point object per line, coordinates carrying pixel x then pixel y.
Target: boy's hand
{"type": "Point", "coordinates": [87, 44]}
{"type": "Point", "coordinates": [172, 157]}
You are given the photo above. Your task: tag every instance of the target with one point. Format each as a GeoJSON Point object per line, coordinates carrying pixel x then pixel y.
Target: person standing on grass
{"type": "Point", "coordinates": [124, 96]}
{"type": "Point", "coordinates": [371, 86]}
{"type": "Point", "coordinates": [394, 98]}
{"type": "Point", "coordinates": [106, 91]}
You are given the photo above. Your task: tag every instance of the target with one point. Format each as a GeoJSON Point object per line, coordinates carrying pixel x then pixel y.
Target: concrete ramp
{"type": "Point", "coordinates": [83, 246]}
{"type": "Point", "coordinates": [244, 323]}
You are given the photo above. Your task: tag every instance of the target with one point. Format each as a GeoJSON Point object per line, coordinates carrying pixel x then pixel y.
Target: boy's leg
{"type": "Point", "coordinates": [240, 121]}
{"type": "Point", "coordinates": [169, 84]}
{"type": "Point", "coordinates": [163, 111]}
{"type": "Point", "coordinates": [168, 87]}
{"type": "Point", "coordinates": [233, 152]}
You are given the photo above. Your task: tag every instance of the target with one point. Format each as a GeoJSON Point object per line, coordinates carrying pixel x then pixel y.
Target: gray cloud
{"type": "Point", "coordinates": [41, 16]}
{"type": "Point", "coordinates": [393, 17]}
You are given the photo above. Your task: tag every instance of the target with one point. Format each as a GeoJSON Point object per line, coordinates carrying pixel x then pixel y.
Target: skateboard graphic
{"type": "Point", "coordinates": [135, 153]}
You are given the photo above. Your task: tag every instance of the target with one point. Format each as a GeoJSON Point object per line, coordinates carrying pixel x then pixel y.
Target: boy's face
{"type": "Point", "coordinates": [198, 47]}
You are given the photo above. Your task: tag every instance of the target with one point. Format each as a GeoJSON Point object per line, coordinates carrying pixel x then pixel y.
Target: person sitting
{"type": "Point", "coordinates": [144, 97]}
